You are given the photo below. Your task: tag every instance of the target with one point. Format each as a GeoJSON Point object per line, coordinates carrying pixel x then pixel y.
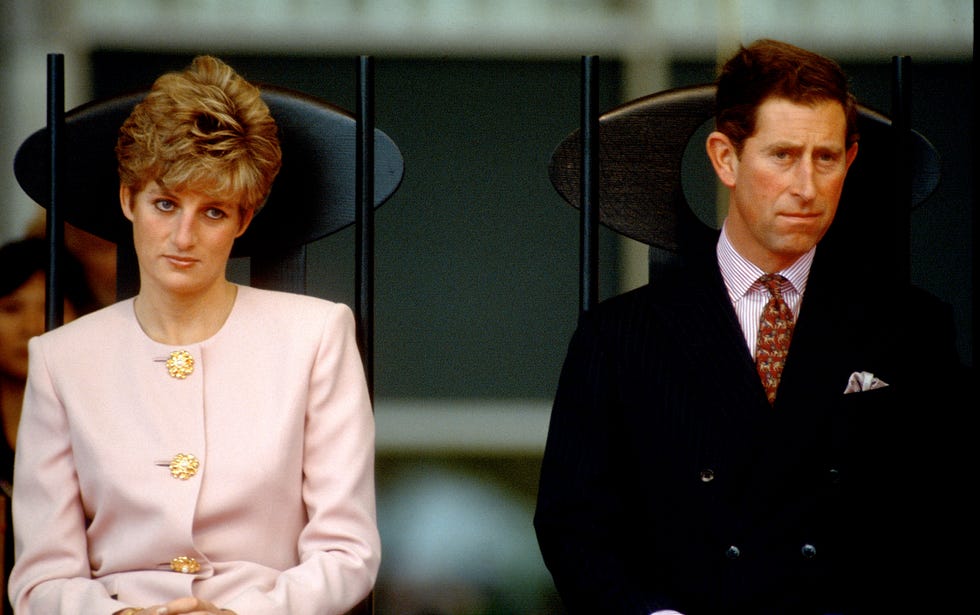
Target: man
{"type": "Point", "coordinates": [696, 465]}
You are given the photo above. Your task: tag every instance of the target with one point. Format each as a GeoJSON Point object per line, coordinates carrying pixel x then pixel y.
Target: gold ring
{"type": "Point", "coordinates": [185, 565]}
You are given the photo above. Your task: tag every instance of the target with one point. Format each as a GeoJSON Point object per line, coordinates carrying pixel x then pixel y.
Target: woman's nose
{"type": "Point", "coordinates": [185, 232]}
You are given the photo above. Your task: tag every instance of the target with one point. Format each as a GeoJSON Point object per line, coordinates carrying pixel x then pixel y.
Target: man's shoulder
{"type": "Point", "coordinates": [636, 309]}
{"type": "Point", "coordinates": [872, 286]}
{"type": "Point", "coordinates": [631, 302]}
{"type": "Point", "coordinates": [677, 284]}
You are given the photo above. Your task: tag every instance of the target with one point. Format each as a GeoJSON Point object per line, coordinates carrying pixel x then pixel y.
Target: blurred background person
{"type": "Point", "coordinates": [22, 283]}
{"type": "Point", "coordinates": [96, 255]}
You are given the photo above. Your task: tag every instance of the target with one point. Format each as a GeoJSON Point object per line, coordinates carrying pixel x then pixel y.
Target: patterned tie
{"type": "Point", "coordinates": [775, 331]}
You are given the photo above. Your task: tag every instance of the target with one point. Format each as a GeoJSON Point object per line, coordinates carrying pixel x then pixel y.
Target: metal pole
{"type": "Point", "coordinates": [589, 210]}
{"type": "Point", "coordinates": [54, 315]}
{"type": "Point", "coordinates": [364, 216]}
{"type": "Point", "coordinates": [902, 136]}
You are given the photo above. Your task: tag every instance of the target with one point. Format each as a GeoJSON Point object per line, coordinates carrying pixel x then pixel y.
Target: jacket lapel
{"type": "Point", "coordinates": [709, 337]}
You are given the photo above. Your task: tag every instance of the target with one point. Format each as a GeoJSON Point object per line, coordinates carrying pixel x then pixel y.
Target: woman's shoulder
{"type": "Point", "coordinates": [103, 324]}
{"type": "Point", "coordinates": [272, 305]}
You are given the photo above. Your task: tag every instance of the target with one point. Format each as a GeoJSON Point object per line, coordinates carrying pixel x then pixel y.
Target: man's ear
{"type": "Point", "coordinates": [851, 154]}
{"type": "Point", "coordinates": [724, 159]}
{"type": "Point", "coordinates": [126, 201]}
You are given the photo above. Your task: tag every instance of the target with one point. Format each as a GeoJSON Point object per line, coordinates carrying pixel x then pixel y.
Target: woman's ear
{"type": "Point", "coordinates": [246, 219]}
{"type": "Point", "coordinates": [126, 201]}
{"type": "Point", "coordinates": [724, 158]}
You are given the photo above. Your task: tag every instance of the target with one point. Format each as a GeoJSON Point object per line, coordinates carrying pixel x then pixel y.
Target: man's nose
{"type": "Point", "coordinates": [804, 181]}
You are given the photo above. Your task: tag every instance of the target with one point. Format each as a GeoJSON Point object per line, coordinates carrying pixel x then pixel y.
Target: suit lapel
{"type": "Point", "coordinates": [709, 337]}
{"type": "Point", "coordinates": [801, 426]}
{"type": "Point", "coordinates": [820, 341]}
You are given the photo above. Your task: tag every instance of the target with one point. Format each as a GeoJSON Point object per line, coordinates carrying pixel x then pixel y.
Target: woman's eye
{"type": "Point", "coordinates": [214, 214]}
{"type": "Point", "coordinates": [164, 205]}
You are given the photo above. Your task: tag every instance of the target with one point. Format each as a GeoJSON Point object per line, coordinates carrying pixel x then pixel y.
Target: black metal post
{"type": "Point", "coordinates": [902, 150]}
{"type": "Point", "coordinates": [364, 216]}
{"type": "Point", "coordinates": [589, 194]}
{"type": "Point", "coordinates": [54, 313]}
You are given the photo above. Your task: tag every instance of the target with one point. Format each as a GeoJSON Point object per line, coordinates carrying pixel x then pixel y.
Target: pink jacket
{"type": "Point", "coordinates": [280, 515]}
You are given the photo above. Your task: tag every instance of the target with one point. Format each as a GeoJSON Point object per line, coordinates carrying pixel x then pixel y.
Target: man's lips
{"type": "Point", "coordinates": [799, 216]}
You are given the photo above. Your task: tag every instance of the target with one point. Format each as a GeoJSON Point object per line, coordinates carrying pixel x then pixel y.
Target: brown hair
{"type": "Point", "coordinates": [204, 128]}
{"type": "Point", "coordinates": [769, 68]}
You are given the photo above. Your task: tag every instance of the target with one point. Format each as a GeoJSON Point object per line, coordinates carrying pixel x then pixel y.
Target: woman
{"type": "Point", "coordinates": [203, 447]}
{"type": "Point", "coordinates": [22, 288]}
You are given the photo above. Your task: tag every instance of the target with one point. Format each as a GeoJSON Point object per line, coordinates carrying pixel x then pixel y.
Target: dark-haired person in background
{"type": "Point", "coordinates": [22, 291]}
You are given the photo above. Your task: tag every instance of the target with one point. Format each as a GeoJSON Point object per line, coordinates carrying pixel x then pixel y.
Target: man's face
{"type": "Point", "coordinates": [786, 182]}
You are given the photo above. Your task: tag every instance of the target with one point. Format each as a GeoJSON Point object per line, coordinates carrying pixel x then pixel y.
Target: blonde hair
{"type": "Point", "coordinates": [205, 128]}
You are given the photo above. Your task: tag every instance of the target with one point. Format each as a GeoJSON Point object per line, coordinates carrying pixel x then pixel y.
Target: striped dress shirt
{"type": "Point", "coordinates": [748, 296]}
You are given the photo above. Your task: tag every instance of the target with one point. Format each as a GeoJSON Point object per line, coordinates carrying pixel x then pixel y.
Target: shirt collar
{"type": "Point", "coordinates": [740, 274]}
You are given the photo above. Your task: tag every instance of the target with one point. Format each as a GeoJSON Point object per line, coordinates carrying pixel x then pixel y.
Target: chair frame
{"type": "Point", "coordinates": [596, 170]}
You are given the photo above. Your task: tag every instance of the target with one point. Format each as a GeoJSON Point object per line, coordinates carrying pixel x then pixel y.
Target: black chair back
{"type": "Point", "coordinates": [638, 177]}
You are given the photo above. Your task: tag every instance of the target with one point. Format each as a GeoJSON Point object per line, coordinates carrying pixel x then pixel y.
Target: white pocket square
{"type": "Point", "coordinates": [863, 381]}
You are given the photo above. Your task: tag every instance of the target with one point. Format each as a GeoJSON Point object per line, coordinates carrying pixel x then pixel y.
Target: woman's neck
{"type": "Point", "coordinates": [175, 319]}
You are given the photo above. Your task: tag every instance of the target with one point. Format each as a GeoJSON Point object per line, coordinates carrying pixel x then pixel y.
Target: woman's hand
{"type": "Point", "coordinates": [181, 606]}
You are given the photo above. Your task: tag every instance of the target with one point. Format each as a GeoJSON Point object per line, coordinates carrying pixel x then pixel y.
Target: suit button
{"type": "Point", "coordinates": [809, 551]}
{"type": "Point", "coordinates": [707, 475]}
{"type": "Point", "coordinates": [184, 466]}
{"type": "Point", "coordinates": [185, 565]}
{"type": "Point", "coordinates": [733, 552]}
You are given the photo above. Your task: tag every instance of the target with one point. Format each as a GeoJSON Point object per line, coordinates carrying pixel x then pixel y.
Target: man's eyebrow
{"type": "Point", "coordinates": [782, 145]}
{"type": "Point", "coordinates": [791, 145]}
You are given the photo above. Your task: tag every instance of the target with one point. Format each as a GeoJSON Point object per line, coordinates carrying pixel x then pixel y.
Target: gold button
{"type": "Point", "coordinates": [180, 364]}
{"type": "Point", "coordinates": [185, 565]}
{"type": "Point", "coordinates": [184, 466]}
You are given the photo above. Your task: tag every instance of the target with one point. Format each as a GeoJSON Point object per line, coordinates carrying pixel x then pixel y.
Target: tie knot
{"type": "Point", "coordinates": [773, 282]}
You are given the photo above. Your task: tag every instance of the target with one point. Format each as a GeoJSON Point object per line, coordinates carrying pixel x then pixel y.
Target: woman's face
{"type": "Point", "coordinates": [183, 238]}
{"type": "Point", "coordinates": [21, 318]}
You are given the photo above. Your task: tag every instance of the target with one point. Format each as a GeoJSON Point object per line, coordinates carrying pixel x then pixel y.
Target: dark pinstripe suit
{"type": "Point", "coordinates": [669, 482]}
